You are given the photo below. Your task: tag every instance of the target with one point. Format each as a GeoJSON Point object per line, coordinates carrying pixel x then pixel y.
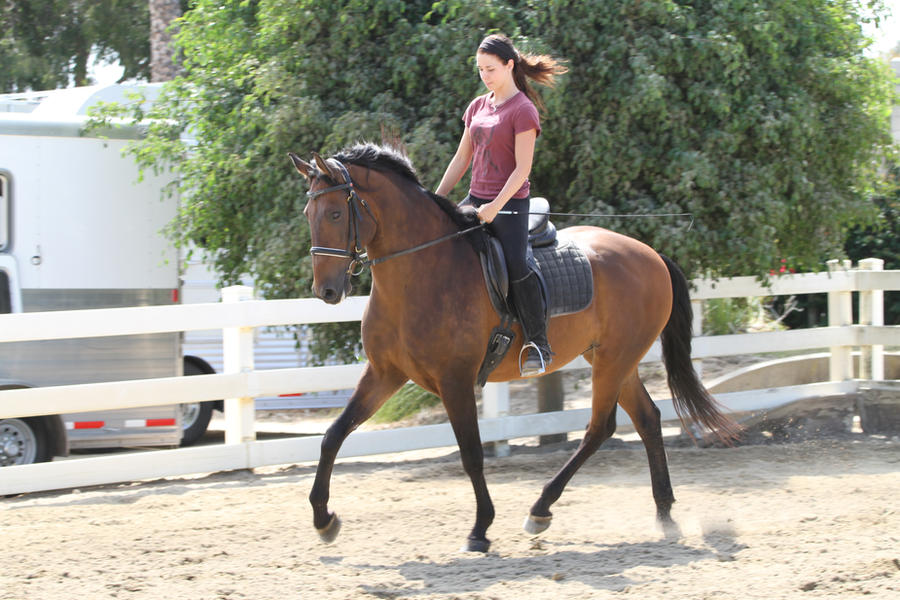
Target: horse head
{"type": "Point", "coordinates": [341, 225]}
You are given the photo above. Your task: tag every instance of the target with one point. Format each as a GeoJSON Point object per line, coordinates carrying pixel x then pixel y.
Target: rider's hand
{"type": "Point", "coordinates": [487, 212]}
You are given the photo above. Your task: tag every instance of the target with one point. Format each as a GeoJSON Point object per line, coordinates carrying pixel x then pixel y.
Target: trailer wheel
{"type": "Point", "coordinates": [23, 442]}
{"type": "Point", "coordinates": [195, 416]}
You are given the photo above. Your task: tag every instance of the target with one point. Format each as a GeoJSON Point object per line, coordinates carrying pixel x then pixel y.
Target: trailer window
{"type": "Point", "coordinates": [4, 213]}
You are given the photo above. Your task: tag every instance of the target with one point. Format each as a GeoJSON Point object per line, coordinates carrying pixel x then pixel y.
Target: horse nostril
{"type": "Point", "coordinates": [330, 294]}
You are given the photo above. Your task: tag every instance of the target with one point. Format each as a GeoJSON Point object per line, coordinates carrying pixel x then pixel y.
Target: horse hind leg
{"type": "Point", "coordinates": [645, 416]}
{"type": "Point", "coordinates": [602, 425]}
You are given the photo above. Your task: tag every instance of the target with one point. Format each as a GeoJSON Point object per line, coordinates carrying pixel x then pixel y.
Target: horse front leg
{"type": "Point", "coordinates": [374, 388]}
{"type": "Point", "coordinates": [459, 401]}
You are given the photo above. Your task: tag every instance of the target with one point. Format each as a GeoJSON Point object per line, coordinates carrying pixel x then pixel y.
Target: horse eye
{"type": "Point", "coordinates": [336, 215]}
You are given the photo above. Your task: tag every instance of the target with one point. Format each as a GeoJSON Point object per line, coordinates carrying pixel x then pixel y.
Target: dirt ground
{"type": "Point", "coordinates": [815, 519]}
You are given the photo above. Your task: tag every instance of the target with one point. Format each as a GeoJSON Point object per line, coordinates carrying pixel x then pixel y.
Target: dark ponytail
{"type": "Point", "coordinates": [540, 68]}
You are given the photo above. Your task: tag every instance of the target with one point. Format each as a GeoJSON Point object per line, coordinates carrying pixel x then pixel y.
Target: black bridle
{"type": "Point", "coordinates": [357, 255]}
{"type": "Point", "coordinates": [354, 252]}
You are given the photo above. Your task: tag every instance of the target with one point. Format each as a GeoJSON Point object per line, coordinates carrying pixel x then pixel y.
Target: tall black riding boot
{"type": "Point", "coordinates": [529, 304]}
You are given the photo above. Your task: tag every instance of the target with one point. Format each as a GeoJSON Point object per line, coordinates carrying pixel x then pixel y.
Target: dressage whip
{"type": "Point", "coordinates": [601, 216]}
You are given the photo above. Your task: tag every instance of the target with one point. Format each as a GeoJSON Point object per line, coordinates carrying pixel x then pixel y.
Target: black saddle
{"type": "Point", "coordinates": [561, 266]}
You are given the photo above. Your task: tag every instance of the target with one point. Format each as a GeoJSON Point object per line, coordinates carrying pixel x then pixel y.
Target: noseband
{"type": "Point", "coordinates": [355, 253]}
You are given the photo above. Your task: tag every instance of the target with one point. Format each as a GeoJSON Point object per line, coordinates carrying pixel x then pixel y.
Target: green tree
{"type": "Point", "coordinates": [882, 240]}
{"type": "Point", "coordinates": [49, 44]}
{"type": "Point", "coordinates": [262, 78]}
{"type": "Point", "coordinates": [762, 118]}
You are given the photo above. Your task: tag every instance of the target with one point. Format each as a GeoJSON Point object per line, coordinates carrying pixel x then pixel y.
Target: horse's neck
{"type": "Point", "coordinates": [411, 220]}
{"type": "Point", "coordinates": [407, 219]}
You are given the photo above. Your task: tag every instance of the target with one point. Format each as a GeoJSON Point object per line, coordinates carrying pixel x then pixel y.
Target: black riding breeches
{"type": "Point", "coordinates": [512, 231]}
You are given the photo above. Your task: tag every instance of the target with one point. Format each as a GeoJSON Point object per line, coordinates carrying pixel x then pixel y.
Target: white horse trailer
{"type": "Point", "coordinates": [77, 231]}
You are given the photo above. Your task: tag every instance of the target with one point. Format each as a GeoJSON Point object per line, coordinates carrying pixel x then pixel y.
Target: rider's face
{"type": "Point", "coordinates": [493, 72]}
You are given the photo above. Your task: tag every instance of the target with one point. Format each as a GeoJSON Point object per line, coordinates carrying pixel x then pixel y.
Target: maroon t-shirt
{"type": "Point", "coordinates": [493, 133]}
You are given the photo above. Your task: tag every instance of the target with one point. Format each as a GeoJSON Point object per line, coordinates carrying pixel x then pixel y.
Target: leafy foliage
{"type": "Point", "coordinates": [729, 315]}
{"type": "Point", "coordinates": [406, 402]}
{"type": "Point", "coordinates": [882, 240]}
{"type": "Point", "coordinates": [47, 44]}
{"type": "Point", "coordinates": [762, 118]}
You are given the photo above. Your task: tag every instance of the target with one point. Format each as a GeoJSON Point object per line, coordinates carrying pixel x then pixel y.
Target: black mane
{"type": "Point", "coordinates": [379, 158]}
{"type": "Point", "coordinates": [388, 159]}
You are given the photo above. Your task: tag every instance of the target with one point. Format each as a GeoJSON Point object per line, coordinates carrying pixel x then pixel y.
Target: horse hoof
{"type": "Point", "coordinates": [535, 525]}
{"type": "Point", "coordinates": [670, 529]}
{"type": "Point", "coordinates": [476, 546]}
{"type": "Point", "coordinates": [330, 532]}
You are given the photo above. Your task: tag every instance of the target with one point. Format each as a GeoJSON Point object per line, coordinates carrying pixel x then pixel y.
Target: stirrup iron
{"type": "Point", "coordinates": [543, 367]}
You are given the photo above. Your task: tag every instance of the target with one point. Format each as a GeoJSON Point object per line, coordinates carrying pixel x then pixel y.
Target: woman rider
{"type": "Point", "coordinates": [501, 128]}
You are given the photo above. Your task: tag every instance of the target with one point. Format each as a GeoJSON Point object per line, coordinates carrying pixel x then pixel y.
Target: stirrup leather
{"type": "Point", "coordinates": [543, 367]}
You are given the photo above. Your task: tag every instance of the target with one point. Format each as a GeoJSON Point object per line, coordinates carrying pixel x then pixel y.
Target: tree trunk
{"type": "Point", "coordinates": [83, 53]}
{"type": "Point", "coordinates": [162, 51]}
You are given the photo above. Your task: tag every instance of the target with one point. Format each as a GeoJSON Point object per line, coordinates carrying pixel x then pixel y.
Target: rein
{"type": "Point", "coordinates": [449, 236]}
{"type": "Point", "coordinates": [358, 256]}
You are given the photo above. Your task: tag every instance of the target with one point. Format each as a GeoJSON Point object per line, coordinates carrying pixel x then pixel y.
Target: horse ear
{"type": "Point", "coordinates": [326, 168]}
{"type": "Point", "coordinates": [303, 167]}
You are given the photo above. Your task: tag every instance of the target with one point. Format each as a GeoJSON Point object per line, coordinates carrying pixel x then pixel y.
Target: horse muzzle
{"type": "Point", "coordinates": [332, 292]}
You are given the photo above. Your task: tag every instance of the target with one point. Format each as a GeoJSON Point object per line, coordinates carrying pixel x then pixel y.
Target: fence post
{"type": "Point", "coordinates": [237, 352]}
{"type": "Point", "coordinates": [551, 397]}
{"type": "Point", "coordinates": [840, 313]}
{"type": "Point", "coordinates": [871, 312]}
{"type": "Point", "coordinates": [495, 403]}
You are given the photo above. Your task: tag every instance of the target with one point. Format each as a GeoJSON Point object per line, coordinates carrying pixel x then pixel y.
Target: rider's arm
{"type": "Point", "coordinates": [458, 165]}
{"type": "Point", "coordinates": [524, 157]}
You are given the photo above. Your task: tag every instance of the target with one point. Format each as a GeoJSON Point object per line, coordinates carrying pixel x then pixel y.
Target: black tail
{"type": "Point", "coordinates": [690, 398]}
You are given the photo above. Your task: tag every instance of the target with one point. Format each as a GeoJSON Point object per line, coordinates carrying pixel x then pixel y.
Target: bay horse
{"type": "Point", "coordinates": [429, 317]}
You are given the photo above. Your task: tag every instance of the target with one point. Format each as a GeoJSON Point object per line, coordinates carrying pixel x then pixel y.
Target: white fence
{"type": "Point", "coordinates": [240, 383]}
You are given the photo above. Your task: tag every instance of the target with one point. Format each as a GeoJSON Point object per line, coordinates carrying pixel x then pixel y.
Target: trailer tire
{"type": "Point", "coordinates": [23, 442]}
{"type": "Point", "coordinates": [195, 416]}
{"type": "Point", "coordinates": [194, 421]}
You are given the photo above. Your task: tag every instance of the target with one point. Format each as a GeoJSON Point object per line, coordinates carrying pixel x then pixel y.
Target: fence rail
{"type": "Point", "coordinates": [239, 314]}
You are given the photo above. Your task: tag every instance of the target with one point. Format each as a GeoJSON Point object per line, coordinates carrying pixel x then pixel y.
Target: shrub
{"type": "Point", "coordinates": [408, 401]}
